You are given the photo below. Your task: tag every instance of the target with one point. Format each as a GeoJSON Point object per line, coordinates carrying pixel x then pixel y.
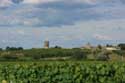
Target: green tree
{"type": "Point", "coordinates": [99, 46]}
{"type": "Point", "coordinates": [122, 46]}
{"type": "Point", "coordinates": [1, 49]}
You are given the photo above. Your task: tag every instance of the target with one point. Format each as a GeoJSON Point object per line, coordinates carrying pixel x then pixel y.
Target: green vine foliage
{"type": "Point", "coordinates": [63, 72]}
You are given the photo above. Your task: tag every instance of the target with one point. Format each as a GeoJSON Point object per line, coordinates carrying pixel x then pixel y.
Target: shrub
{"type": "Point", "coordinates": [79, 54]}
{"type": "Point", "coordinates": [103, 56]}
{"type": "Point", "coordinates": [9, 57]}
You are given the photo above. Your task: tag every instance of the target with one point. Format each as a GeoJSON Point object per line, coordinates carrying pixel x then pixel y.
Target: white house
{"type": "Point", "coordinates": [112, 48]}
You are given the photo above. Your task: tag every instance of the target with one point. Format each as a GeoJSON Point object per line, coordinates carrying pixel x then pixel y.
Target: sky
{"type": "Point", "coordinates": [66, 23]}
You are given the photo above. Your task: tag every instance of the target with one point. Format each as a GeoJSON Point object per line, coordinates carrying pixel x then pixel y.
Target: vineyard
{"type": "Point", "coordinates": [62, 72]}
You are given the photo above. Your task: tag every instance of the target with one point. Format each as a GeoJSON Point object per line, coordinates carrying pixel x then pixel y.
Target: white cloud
{"type": "Point", "coordinates": [87, 1]}
{"type": "Point", "coordinates": [37, 1]}
{"type": "Point", "coordinates": [45, 1]}
{"type": "Point", "coordinates": [30, 15]}
{"type": "Point", "coordinates": [102, 37]}
{"type": "Point", "coordinates": [81, 1]}
{"type": "Point", "coordinates": [21, 32]}
{"type": "Point", "coordinates": [110, 26]}
{"type": "Point", "coordinates": [5, 3]}
{"type": "Point", "coordinates": [67, 36]}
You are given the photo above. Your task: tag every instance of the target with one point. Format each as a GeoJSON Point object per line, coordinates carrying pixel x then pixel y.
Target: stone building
{"type": "Point", "coordinates": [46, 44]}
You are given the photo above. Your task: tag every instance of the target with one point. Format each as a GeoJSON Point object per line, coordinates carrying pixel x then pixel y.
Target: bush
{"type": "Point", "coordinates": [103, 56]}
{"type": "Point", "coordinates": [8, 57]}
{"type": "Point", "coordinates": [79, 54]}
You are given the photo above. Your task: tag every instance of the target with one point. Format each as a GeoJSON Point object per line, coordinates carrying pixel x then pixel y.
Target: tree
{"type": "Point", "coordinates": [7, 48]}
{"type": "Point", "coordinates": [122, 46]}
{"type": "Point", "coordinates": [99, 46]}
{"type": "Point", "coordinates": [57, 47]}
{"type": "Point", "coordinates": [109, 45]}
{"type": "Point", "coordinates": [1, 49]}
{"type": "Point", "coordinates": [13, 48]}
{"type": "Point", "coordinates": [20, 48]}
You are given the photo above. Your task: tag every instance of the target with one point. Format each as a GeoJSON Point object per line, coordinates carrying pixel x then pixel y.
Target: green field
{"type": "Point", "coordinates": [62, 72]}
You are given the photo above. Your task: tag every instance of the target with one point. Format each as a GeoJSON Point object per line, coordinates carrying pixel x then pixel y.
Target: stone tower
{"type": "Point", "coordinates": [46, 44]}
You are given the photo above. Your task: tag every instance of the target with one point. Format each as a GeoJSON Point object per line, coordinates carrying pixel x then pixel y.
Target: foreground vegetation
{"type": "Point", "coordinates": [62, 72]}
{"type": "Point", "coordinates": [65, 65]}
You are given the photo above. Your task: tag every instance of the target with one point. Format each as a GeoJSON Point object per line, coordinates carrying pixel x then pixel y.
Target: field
{"type": "Point", "coordinates": [62, 72]}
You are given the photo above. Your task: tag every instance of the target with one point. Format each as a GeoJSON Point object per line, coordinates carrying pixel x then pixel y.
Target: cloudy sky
{"type": "Point", "coordinates": [68, 23]}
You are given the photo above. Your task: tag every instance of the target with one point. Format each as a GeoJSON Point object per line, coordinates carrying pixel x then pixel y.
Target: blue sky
{"type": "Point", "coordinates": [68, 23]}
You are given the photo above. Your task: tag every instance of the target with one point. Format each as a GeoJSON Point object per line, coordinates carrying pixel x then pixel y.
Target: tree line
{"type": "Point", "coordinates": [19, 53]}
